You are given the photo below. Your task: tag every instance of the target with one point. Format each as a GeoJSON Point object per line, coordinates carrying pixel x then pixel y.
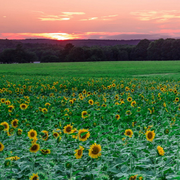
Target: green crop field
{"type": "Point", "coordinates": [96, 69]}
{"type": "Point", "coordinates": [90, 121]}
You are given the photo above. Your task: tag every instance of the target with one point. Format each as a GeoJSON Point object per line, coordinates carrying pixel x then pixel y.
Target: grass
{"type": "Point", "coordinates": [96, 69]}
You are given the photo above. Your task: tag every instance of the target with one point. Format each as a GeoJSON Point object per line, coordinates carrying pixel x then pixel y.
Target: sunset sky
{"type": "Point", "coordinates": [89, 19]}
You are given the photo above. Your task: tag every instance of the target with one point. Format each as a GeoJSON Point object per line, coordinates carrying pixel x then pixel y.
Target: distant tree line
{"type": "Point", "coordinates": [161, 49]}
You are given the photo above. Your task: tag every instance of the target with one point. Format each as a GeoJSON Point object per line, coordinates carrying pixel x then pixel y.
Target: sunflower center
{"type": "Point", "coordinates": [150, 135]}
{"type": "Point", "coordinates": [32, 134]}
{"type": "Point", "coordinates": [5, 126]}
{"type": "Point", "coordinates": [35, 178]}
{"type": "Point", "coordinates": [128, 133]}
{"type": "Point", "coordinates": [79, 152]}
{"type": "Point", "coordinates": [68, 129]}
{"type": "Point", "coordinates": [34, 147]}
{"type": "Point", "coordinates": [83, 137]}
{"type": "Point", "coordinates": [0, 146]}
{"type": "Point", "coordinates": [14, 123]}
{"type": "Point", "coordinates": [95, 150]}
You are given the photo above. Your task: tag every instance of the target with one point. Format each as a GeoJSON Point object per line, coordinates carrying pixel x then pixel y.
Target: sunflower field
{"type": "Point", "coordinates": [58, 128]}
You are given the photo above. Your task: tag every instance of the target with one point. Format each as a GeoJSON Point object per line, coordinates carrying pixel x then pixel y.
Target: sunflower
{"type": "Point", "coordinates": [117, 116]}
{"type": "Point", "coordinates": [3, 100]}
{"type": "Point", "coordinates": [34, 140]}
{"type": "Point", "coordinates": [6, 126]}
{"type": "Point", "coordinates": [1, 146]}
{"type": "Point", "coordinates": [116, 96]}
{"type": "Point", "coordinates": [47, 104]}
{"type": "Point", "coordinates": [83, 134]}
{"type": "Point", "coordinates": [15, 158]}
{"type": "Point", "coordinates": [94, 151]}
{"type": "Point", "coordinates": [34, 148]}
{"type": "Point", "coordinates": [7, 102]}
{"type": "Point", "coordinates": [84, 114]}
{"type": "Point", "coordinates": [32, 134]}
{"type": "Point", "coordinates": [133, 177]}
{"type": "Point", "coordinates": [133, 103]}
{"type": "Point", "coordinates": [68, 129]}
{"type": "Point", "coordinates": [176, 99]}
{"type": "Point", "coordinates": [91, 102]}
{"type": "Point", "coordinates": [23, 106]}
{"type": "Point", "coordinates": [19, 132]}
{"type": "Point", "coordinates": [55, 134]}
{"type": "Point", "coordinates": [14, 123]}
{"type": "Point", "coordinates": [74, 131]}
{"type": "Point", "coordinates": [45, 151]}
{"type": "Point", "coordinates": [44, 110]}
{"type": "Point", "coordinates": [128, 112]}
{"type": "Point", "coordinates": [34, 177]}
{"type": "Point", "coordinates": [129, 99]}
{"type": "Point", "coordinates": [150, 135]}
{"type": "Point", "coordinates": [79, 152]}
{"type": "Point", "coordinates": [128, 132]}
{"type": "Point", "coordinates": [11, 107]}
{"type": "Point", "coordinates": [103, 105]}
{"type": "Point", "coordinates": [160, 151]}
{"type": "Point", "coordinates": [45, 135]}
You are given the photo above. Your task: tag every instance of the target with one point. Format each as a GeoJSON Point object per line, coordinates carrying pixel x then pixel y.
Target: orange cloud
{"type": "Point", "coordinates": [158, 16]}
{"type": "Point", "coordinates": [63, 17]}
{"type": "Point", "coordinates": [109, 17]}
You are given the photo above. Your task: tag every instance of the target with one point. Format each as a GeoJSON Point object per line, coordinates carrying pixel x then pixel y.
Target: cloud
{"type": "Point", "coordinates": [158, 16]}
{"type": "Point", "coordinates": [62, 17]}
{"type": "Point", "coordinates": [54, 19]}
{"type": "Point", "coordinates": [73, 13]}
{"type": "Point", "coordinates": [109, 17]}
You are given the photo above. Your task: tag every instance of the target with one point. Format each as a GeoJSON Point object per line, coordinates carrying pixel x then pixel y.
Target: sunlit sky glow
{"type": "Point", "coordinates": [90, 19]}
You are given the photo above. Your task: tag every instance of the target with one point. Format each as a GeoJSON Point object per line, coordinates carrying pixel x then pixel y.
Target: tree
{"type": "Point", "coordinates": [140, 51]}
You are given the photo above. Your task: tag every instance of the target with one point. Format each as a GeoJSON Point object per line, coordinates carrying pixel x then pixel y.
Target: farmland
{"type": "Point", "coordinates": [93, 120]}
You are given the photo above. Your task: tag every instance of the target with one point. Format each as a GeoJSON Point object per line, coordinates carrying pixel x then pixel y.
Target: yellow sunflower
{"type": "Point", "coordinates": [91, 102]}
{"type": "Point", "coordinates": [74, 131]}
{"type": "Point", "coordinates": [34, 177]}
{"type": "Point", "coordinates": [94, 151]}
{"type": "Point", "coordinates": [129, 99]}
{"type": "Point", "coordinates": [44, 110]}
{"type": "Point", "coordinates": [23, 106]}
{"type": "Point", "coordinates": [128, 132]}
{"type": "Point", "coordinates": [133, 103]}
{"type": "Point", "coordinates": [117, 116]}
{"type": "Point", "coordinates": [19, 132]}
{"type": "Point", "coordinates": [45, 136]}
{"type": "Point", "coordinates": [3, 100]}
{"type": "Point", "coordinates": [55, 134]}
{"type": "Point", "coordinates": [32, 134]}
{"type": "Point", "coordinates": [150, 135]}
{"type": "Point", "coordinates": [84, 114]}
{"type": "Point", "coordinates": [83, 134]}
{"type": "Point", "coordinates": [11, 107]}
{"type": "Point", "coordinates": [6, 126]}
{"type": "Point", "coordinates": [68, 129]}
{"type": "Point", "coordinates": [160, 151]}
{"type": "Point", "coordinates": [79, 152]}
{"type": "Point", "coordinates": [176, 99]}
{"type": "Point", "coordinates": [45, 151]}
{"type": "Point", "coordinates": [14, 123]}
{"type": "Point", "coordinates": [1, 146]}
{"type": "Point", "coordinates": [34, 148]}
